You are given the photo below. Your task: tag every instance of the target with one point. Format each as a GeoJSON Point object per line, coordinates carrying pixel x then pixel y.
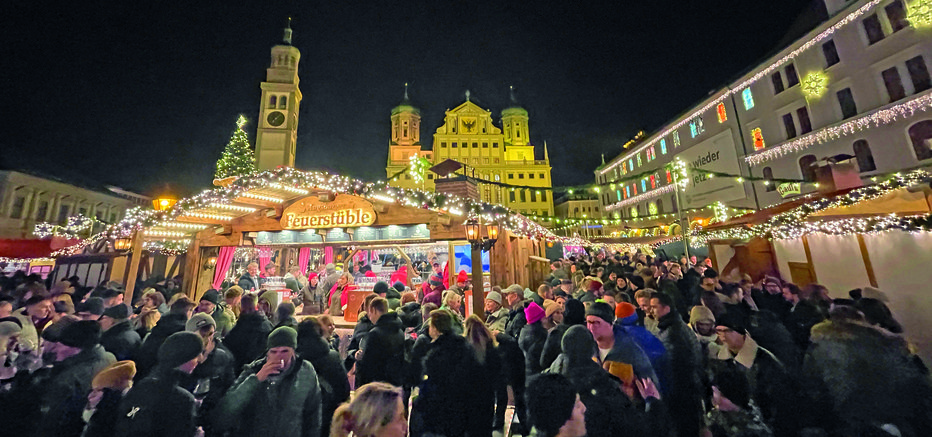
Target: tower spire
{"type": "Point", "coordinates": [287, 37]}
{"type": "Point", "coordinates": [467, 95]}
{"type": "Point", "coordinates": [406, 91]}
{"type": "Point", "coordinates": [546, 155]}
{"type": "Point", "coordinates": [511, 92]}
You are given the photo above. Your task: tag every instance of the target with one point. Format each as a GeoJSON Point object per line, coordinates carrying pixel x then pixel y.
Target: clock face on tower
{"type": "Point", "coordinates": [276, 118]}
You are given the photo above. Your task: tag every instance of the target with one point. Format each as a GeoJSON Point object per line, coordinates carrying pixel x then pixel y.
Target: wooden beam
{"type": "Point", "coordinates": [249, 201]}
{"type": "Point", "coordinates": [409, 269]}
{"type": "Point", "coordinates": [867, 261]}
{"type": "Point", "coordinates": [809, 259]}
{"type": "Point", "coordinates": [134, 261]}
{"type": "Point", "coordinates": [201, 220]}
{"type": "Point", "coordinates": [192, 261]}
{"type": "Point", "coordinates": [477, 292]}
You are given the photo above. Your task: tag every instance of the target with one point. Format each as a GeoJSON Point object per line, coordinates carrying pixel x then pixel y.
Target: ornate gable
{"type": "Point", "coordinates": [468, 119]}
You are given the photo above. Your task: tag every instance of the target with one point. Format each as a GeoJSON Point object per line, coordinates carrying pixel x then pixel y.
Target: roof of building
{"type": "Point", "coordinates": [74, 179]}
{"type": "Point", "coordinates": [513, 108]}
{"type": "Point", "coordinates": [406, 105]}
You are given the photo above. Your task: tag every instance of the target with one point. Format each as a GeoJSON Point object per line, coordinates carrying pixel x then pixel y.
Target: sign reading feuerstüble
{"type": "Point", "coordinates": [344, 211]}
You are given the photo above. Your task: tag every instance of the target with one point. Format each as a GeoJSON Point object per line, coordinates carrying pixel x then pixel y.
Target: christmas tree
{"type": "Point", "coordinates": [238, 158]}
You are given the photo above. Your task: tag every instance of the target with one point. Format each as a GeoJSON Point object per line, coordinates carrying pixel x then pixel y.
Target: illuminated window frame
{"type": "Point", "coordinates": [722, 115]}
{"type": "Point", "coordinates": [676, 139]}
{"type": "Point", "coordinates": [669, 177]}
{"type": "Point", "coordinates": [748, 99]}
{"type": "Point", "coordinates": [663, 146]}
{"type": "Point", "coordinates": [757, 137]}
{"type": "Point", "coordinates": [644, 185]}
{"type": "Point", "coordinates": [639, 160]}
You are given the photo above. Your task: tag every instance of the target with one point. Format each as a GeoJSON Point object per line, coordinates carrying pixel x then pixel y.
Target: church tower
{"type": "Point", "coordinates": [405, 143]}
{"type": "Point", "coordinates": [278, 109]}
{"type": "Point", "coordinates": [517, 133]}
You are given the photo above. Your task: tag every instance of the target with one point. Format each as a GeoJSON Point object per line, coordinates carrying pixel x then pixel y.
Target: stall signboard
{"type": "Point", "coordinates": [344, 211]}
{"type": "Point", "coordinates": [788, 189]}
{"type": "Point", "coordinates": [717, 154]}
{"type": "Point", "coordinates": [336, 235]}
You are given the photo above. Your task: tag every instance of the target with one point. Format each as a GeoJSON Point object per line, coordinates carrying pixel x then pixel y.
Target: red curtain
{"type": "Point", "coordinates": [224, 261]}
{"type": "Point", "coordinates": [304, 256]}
{"type": "Point", "coordinates": [328, 255]}
{"type": "Point", "coordinates": [265, 256]}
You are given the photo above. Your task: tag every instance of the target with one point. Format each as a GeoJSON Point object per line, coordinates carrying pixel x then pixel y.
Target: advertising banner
{"type": "Point", "coordinates": [714, 154]}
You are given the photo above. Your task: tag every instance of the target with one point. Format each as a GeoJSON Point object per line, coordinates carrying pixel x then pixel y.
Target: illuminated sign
{"type": "Point", "coordinates": [788, 189]}
{"type": "Point", "coordinates": [344, 211]}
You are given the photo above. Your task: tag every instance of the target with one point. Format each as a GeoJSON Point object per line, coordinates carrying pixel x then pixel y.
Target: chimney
{"type": "Point", "coordinates": [836, 173]}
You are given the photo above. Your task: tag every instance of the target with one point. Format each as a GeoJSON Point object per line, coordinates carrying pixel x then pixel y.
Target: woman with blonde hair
{"type": "Point", "coordinates": [484, 345]}
{"type": "Point", "coordinates": [376, 411]}
{"type": "Point", "coordinates": [339, 294]}
{"type": "Point", "coordinates": [149, 313]}
{"type": "Point", "coordinates": [453, 303]}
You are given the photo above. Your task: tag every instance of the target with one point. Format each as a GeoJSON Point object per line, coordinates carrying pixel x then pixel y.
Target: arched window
{"type": "Point", "coordinates": [805, 166]}
{"type": "Point", "coordinates": [921, 136]}
{"type": "Point", "coordinates": [283, 102]}
{"type": "Point", "coordinates": [768, 175]}
{"type": "Point", "coordinates": [272, 101]}
{"type": "Point", "coordinates": [862, 151]}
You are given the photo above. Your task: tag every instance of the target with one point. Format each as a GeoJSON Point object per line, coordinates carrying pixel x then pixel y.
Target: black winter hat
{"type": "Point", "coordinates": [399, 286]}
{"type": "Point", "coordinates": [637, 281]}
{"type": "Point", "coordinates": [212, 296]}
{"type": "Point", "coordinates": [53, 331]}
{"type": "Point", "coordinates": [179, 348]}
{"type": "Point", "coordinates": [83, 334]}
{"type": "Point", "coordinates": [380, 287]}
{"type": "Point", "coordinates": [602, 310]}
{"type": "Point", "coordinates": [118, 312]}
{"type": "Point", "coordinates": [732, 320]}
{"type": "Point", "coordinates": [93, 305]}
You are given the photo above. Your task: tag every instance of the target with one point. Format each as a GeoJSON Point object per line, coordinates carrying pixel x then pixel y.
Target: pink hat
{"type": "Point", "coordinates": [533, 312]}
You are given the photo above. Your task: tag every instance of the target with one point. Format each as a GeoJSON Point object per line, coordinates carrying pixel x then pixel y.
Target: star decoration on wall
{"type": "Point", "coordinates": [919, 13]}
{"type": "Point", "coordinates": [815, 84]}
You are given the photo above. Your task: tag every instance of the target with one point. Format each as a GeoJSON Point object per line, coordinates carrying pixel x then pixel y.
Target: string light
{"type": "Point", "coordinates": [878, 118]}
{"type": "Point", "coordinates": [263, 197]}
{"type": "Point", "coordinates": [634, 199]}
{"type": "Point", "coordinates": [229, 207]}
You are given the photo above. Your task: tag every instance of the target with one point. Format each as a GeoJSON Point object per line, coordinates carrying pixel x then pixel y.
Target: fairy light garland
{"type": "Point", "coordinates": [634, 199]}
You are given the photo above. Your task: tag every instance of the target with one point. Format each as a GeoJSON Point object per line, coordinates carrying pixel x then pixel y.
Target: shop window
{"type": "Point", "coordinates": [768, 175]}
{"type": "Point", "coordinates": [830, 52]}
{"type": "Point", "coordinates": [807, 168]}
{"type": "Point", "coordinates": [862, 151]}
{"type": "Point", "coordinates": [748, 99]}
{"type": "Point", "coordinates": [921, 136]}
{"type": "Point", "coordinates": [722, 115]}
{"type": "Point", "coordinates": [758, 138]}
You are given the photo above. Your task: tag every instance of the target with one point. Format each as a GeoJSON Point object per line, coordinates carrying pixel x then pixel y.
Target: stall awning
{"type": "Point", "coordinates": [32, 248]}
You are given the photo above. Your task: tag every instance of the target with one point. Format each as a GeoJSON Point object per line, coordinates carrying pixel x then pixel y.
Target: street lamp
{"type": "Point", "coordinates": [123, 243]}
{"type": "Point", "coordinates": [474, 236]}
{"type": "Point", "coordinates": [472, 230]}
{"type": "Point", "coordinates": [164, 203]}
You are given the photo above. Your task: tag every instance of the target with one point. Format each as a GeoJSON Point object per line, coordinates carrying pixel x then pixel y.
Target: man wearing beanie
{"type": "Point", "coordinates": [157, 406]}
{"type": "Point", "coordinates": [574, 313]}
{"type": "Point", "coordinates": [277, 395]}
{"type": "Point", "coordinates": [532, 338]}
{"type": "Point", "coordinates": [770, 381]}
{"type": "Point", "coordinates": [617, 352]}
{"type": "Point", "coordinates": [119, 337]}
{"type": "Point", "coordinates": [702, 322]}
{"type": "Point", "coordinates": [214, 375]}
{"type": "Point", "coordinates": [554, 407]}
{"type": "Point", "coordinates": [393, 295]}
{"type": "Point", "coordinates": [210, 304]}
{"type": "Point", "coordinates": [626, 316]}
{"type": "Point", "coordinates": [168, 324]}
{"type": "Point", "coordinates": [79, 358]}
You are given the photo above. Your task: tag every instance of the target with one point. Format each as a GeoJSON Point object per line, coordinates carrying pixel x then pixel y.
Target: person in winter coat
{"type": "Point", "coordinates": [311, 296]}
{"type": "Point", "coordinates": [247, 339]}
{"type": "Point", "coordinates": [284, 315]}
{"type": "Point", "coordinates": [532, 338]}
{"type": "Point", "coordinates": [861, 376]}
{"type": "Point", "coordinates": [157, 406]}
{"type": "Point", "coordinates": [250, 281]}
{"type": "Point", "coordinates": [626, 316]}
{"type": "Point", "coordinates": [702, 322]}
{"type": "Point", "coordinates": [451, 383]}
{"type": "Point", "coordinates": [382, 353]}
{"type": "Point", "coordinates": [496, 316]}
{"type": "Point", "coordinates": [769, 297]}
{"type": "Point", "coordinates": [555, 408]}
{"type": "Point", "coordinates": [685, 382]}
{"type": "Point", "coordinates": [617, 351]}
{"type": "Point", "coordinates": [483, 344]}
{"type": "Point", "coordinates": [733, 412]}
{"type": "Point", "coordinates": [210, 303]}
{"type": "Point", "coordinates": [275, 396]}
{"type": "Point", "coordinates": [103, 403]}
{"type": "Point", "coordinates": [170, 323]}
{"type": "Point", "coordinates": [339, 294]}
{"type": "Point", "coordinates": [78, 357]}
{"type": "Point", "coordinates": [360, 331]}
{"type": "Point", "coordinates": [514, 295]}
{"type": "Point", "coordinates": [410, 315]}
{"type": "Point", "coordinates": [393, 294]}
{"type": "Point", "coordinates": [771, 387]}
{"type": "Point", "coordinates": [213, 376]}
{"type": "Point", "coordinates": [610, 412]}
{"type": "Point", "coordinates": [801, 316]}
{"type": "Point", "coordinates": [334, 385]}
{"type": "Point", "coordinates": [118, 336]}
{"type": "Point", "coordinates": [574, 313]}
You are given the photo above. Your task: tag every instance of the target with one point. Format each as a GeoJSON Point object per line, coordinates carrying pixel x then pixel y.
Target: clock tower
{"type": "Point", "coordinates": [278, 109]}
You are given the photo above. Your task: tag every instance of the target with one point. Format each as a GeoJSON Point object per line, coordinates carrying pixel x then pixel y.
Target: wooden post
{"type": "Point", "coordinates": [133, 267]}
{"type": "Point", "coordinates": [410, 269]}
{"type": "Point", "coordinates": [478, 295]}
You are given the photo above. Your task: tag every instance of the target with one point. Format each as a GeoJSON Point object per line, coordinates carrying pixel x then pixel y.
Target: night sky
{"type": "Point", "coordinates": [143, 94]}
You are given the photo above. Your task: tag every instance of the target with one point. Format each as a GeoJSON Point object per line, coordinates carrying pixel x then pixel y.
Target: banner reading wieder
{"type": "Point", "coordinates": [715, 154]}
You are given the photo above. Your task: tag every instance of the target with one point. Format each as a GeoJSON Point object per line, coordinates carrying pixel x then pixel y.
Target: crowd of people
{"type": "Point", "coordinates": [620, 344]}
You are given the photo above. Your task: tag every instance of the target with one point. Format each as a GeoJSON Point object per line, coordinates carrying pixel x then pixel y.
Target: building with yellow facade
{"type": "Point", "coordinates": [488, 152]}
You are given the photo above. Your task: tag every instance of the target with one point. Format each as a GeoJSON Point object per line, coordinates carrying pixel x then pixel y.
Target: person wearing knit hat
{"type": "Point", "coordinates": [462, 285]}
{"type": "Point", "coordinates": [553, 314]}
{"type": "Point", "coordinates": [280, 375]}
{"type": "Point", "coordinates": [210, 303]}
{"type": "Point", "coordinates": [158, 404]}
{"type": "Point", "coordinates": [496, 315]}
{"type": "Point", "coordinates": [554, 407]}
{"type": "Point", "coordinates": [103, 402]}
{"type": "Point", "coordinates": [117, 376]}
{"type": "Point", "coordinates": [119, 337]}
{"type": "Point", "coordinates": [532, 338]}
{"type": "Point", "coordinates": [78, 357]}
{"type": "Point", "coordinates": [617, 351]}
{"type": "Point", "coordinates": [380, 288]}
